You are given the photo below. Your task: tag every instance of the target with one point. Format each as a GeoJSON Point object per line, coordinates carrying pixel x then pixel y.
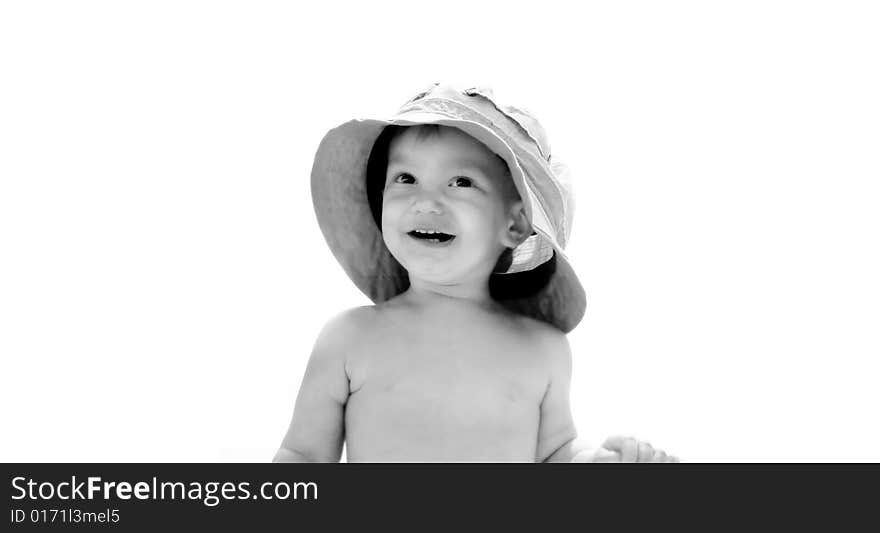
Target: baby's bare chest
{"type": "Point", "coordinates": [453, 386]}
{"type": "Point", "coordinates": [444, 393]}
{"type": "Point", "coordinates": [447, 367]}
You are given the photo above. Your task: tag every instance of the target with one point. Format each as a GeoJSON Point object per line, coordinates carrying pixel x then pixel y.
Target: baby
{"type": "Point", "coordinates": [451, 217]}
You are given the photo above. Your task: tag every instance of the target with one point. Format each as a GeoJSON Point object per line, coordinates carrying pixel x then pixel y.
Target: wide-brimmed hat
{"type": "Point", "coordinates": [538, 282]}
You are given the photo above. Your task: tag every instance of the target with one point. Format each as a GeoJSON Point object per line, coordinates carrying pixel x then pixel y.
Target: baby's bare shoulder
{"type": "Point", "coordinates": [547, 343]}
{"type": "Point", "coordinates": [345, 329]}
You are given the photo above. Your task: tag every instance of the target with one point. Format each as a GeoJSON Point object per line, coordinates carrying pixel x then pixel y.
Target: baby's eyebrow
{"type": "Point", "coordinates": [401, 156]}
{"type": "Point", "coordinates": [459, 162]}
{"type": "Point", "coordinates": [466, 162]}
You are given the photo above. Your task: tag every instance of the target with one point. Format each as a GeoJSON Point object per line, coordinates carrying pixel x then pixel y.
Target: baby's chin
{"type": "Point", "coordinates": [427, 272]}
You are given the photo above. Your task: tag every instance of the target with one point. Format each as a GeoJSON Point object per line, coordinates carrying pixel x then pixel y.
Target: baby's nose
{"type": "Point", "coordinates": [427, 203]}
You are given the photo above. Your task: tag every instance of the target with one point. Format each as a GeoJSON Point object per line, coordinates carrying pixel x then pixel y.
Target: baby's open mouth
{"type": "Point", "coordinates": [430, 235]}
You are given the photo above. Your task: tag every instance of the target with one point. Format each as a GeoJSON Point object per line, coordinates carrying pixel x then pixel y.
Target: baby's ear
{"type": "Point", "coordinates": [518, 228]}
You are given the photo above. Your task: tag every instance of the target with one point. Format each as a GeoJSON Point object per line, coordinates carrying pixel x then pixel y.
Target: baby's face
{"type": "Point", "coordinates": [448, 206]}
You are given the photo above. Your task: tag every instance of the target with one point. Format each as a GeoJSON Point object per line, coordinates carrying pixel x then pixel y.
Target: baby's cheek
{"type": "Point", "coordinates": [390, 213]}
{"type": "Point", "coordinates": [391, 240]}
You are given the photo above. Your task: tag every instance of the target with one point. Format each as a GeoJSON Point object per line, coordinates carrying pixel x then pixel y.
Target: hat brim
{"type": "Point", "coordinates": [339, 194]}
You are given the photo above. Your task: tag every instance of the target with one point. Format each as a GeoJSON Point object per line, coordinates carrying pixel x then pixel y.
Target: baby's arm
{"type": "Point", "coordinates": [557, 437]}
{"type": "Point", "coordinates": [317, 429]}
{"type": "Point", "coordinates": [556, 433]}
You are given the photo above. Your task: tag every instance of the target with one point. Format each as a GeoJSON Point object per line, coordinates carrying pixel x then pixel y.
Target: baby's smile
{"type": "Point", "coordinates": [431, 236]}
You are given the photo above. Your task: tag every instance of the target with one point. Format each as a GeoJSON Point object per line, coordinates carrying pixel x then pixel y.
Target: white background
{"type": "Point", "coordinates": [162, 276]}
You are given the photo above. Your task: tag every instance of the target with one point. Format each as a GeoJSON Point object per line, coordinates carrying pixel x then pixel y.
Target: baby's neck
{"type": "Point", "coordinates": [429, 295]}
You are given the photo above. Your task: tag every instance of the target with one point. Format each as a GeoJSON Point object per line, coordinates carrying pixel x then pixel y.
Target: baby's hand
{"type": "Point", "coordinates": [619, 449]}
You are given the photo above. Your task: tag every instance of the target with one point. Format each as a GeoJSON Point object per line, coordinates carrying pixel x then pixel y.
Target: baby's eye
{"type": "Point", "coordinates": [461, 181]}
{"type": "Point", "coordinates": [404, 178]}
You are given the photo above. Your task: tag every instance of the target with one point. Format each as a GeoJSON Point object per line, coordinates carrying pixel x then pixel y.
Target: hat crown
{"type": "Point", "coordinates": [521, 118]}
